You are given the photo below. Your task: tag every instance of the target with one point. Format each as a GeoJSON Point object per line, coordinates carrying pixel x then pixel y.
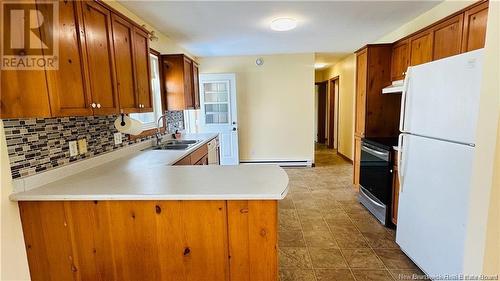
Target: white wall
{"type": "Point", "coordinates": [275, 104]}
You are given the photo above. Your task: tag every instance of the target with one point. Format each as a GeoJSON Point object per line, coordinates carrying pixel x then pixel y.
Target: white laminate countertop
{"type": "Point", "coordinates": [148, 175]}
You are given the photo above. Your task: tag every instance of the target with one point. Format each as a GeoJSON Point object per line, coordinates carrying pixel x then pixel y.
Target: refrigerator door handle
{"type": "Point", "coordinates": [403, 100]}
{"type": "Point", "coordinates": [400, 168]}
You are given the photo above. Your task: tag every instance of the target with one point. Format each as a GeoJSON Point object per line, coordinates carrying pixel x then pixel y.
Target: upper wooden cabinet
{"type": "Point", "coordinates": [68, 90]}
{"type": "Point", "coordinates": [99, 47]}
{"type": "Point", "coordinates": [447, 37]}
{"type": "Point", "coordinates": [421, 47]}
{"type": "Point", "coordinates": [124, 63]}
{"type": "Point", "coordinates": [474, 32]}
{"type": "Point", "coordinates": [131, 49]}
{"type": "Point", "coordinates": [103, 66]}
{"type": "Point", "coordinates": [142, 73]}
{"type": "Point", "coordinates": [376, 114]}
{"type": "Point", "coordinates": [196, 85]}
{"type": "Point", "coordinates": [400, 60]}
{"type": "Point", "coordinates": [361, 74]}
{"type": "Point", "coordinates": [461, 32]}
{"type": "Point", "coordinates": [180, 77]}
{"type": "Point", "coordinates": [24, 93]}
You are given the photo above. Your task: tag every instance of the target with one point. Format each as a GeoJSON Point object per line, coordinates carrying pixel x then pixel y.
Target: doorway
{"type": "Point", "coordinates": [321, 97]}
{"type": "Point", "coordinates": [219, 113]}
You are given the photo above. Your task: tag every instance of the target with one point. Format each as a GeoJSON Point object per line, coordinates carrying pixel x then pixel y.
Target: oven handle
{"type": "Point", "coordinates": [370, 198]}
{"type": "Point", "coordinates": [371, 150]}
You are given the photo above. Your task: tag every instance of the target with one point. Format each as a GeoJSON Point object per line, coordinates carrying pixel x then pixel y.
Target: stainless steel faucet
{"type": "Point", "coordinates": [158, 133]}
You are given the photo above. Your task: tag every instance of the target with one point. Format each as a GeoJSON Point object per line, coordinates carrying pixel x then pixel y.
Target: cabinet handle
{"type": "Point", "coordinates": [93, 105]}
{"type": "Point", "coordinates": [98, 105]}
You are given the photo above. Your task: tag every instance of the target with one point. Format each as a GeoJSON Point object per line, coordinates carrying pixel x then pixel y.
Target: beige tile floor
{"type": "Point", "coordinates": [326, 235]}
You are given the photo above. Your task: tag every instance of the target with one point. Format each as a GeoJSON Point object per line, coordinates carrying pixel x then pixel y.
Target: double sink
{"type": "Point", "coordinates": [175, 145]}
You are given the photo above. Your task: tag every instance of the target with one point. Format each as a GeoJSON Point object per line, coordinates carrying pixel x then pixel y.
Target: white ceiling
{"type": "Point", "coordinates": [209, 28]}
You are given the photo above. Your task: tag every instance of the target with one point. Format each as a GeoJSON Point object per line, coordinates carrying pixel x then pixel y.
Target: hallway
{"type": "Point", "coordinates": [326, 235]}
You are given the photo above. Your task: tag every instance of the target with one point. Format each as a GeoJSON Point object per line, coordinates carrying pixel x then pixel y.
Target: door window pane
{"type": "Point", "coordinates": [216, 99]}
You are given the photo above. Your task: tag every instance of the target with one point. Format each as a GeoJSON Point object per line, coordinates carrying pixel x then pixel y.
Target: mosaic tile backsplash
{"type": "Point", "coordinates": [41, 144]}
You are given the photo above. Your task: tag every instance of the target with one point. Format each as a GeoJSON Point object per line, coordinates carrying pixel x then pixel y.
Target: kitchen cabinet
{"type": "Point", "coordinates": [124, 62]}
{"type": "Point", "coordinates": [142, 70]}
{"type": "Point", "coordinates": [180, 75]}
{"type": "Point", "coordinates": [99, 48]}
{"type": "Point", "coordinates": [151, 240]}
{"type": "Point", "coordinates": [474, 31]}
{"type": "Point", "coordinates": [67, 86]}
{"type": "Point", "coordinates": [395, 189]}
{"type": "Point", "coordinates": [377, 115]}
{"type": "Point", "coordinates": [421, 47]}
{"type": "Point", "coordinates": [447, 37]}
{"type": "Point", "coordinates": [361, 75]}
{"type": "Point", "coordinates": [400, 60]}
{"type": "Point", "coordinates": [196, 85]}
{"type": "Point", "coordinates": [24, 93]}
{"type": "Point", "coordinates": [131, 50]}
{"type": "Point", "coordinates": [357, 160]}
{"type": "Point", "coordinates": [101, 54]}
{"type": "Point", "coordinates": [197, 157]}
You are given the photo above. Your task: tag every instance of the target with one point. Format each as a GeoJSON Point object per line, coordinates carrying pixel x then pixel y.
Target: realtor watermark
{"type": "Point", "coordinates": [29, 39]}
{"type": "Point", "coordinates": [403, 276]}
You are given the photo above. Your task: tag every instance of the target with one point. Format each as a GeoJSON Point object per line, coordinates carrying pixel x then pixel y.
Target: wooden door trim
{"type": "Point", "coordinates": [332, 126]}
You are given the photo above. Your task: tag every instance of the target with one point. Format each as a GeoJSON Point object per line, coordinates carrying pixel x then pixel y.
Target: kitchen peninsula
{"type": "Point", "coordinates": [139, 218]}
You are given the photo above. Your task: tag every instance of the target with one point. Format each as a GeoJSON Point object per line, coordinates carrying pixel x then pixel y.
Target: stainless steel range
{"type": "Point", "coordinates": [376, 177]}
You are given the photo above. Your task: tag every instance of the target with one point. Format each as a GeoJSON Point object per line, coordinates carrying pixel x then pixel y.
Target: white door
{"type": "Point", "coordinates": [442, 98]}
{"type": "Point", "coordinates": [432, 215]}
{"type": "Point", "coordinates": [219, 113]}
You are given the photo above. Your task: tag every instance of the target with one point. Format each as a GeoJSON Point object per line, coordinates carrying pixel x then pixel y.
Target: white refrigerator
{"type": "Point", "coordinates": [439, 113]}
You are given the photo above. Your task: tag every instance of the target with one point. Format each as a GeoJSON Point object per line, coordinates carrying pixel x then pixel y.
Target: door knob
{"type": "Point", "coordinates": [93, 105]}
{"type": "Point", "coordinates": [98, 105]}
{"type": "Point", "coordinates": [234, 128]}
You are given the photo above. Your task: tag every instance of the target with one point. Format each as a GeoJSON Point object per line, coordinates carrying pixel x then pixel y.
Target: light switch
{"type": "Point", "coordinates": [82, 146]}
{"type": "Point", "coordinates": [73, 148]}
{"type": "Point", "coordinates": [118, 138]}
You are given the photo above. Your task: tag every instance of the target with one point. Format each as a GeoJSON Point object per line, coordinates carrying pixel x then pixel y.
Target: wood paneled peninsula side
{"type": "Point", "coordinates": [140, 218]}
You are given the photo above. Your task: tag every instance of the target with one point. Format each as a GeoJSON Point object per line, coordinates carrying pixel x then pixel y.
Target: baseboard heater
{"type": "Point", "coordinates": [281, 163]}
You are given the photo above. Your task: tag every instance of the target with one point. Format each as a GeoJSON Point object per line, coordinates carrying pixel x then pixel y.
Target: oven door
{"type": "Point", "coordinates": [375, 172]}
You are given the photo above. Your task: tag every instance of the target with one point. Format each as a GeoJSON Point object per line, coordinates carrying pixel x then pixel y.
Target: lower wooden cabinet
{"type": "Point", "coordinates": [151, 240]}
{"type": "Point", "coordinates": [197, 157]}
{"type": "Point", "coordinates": [357, 160]}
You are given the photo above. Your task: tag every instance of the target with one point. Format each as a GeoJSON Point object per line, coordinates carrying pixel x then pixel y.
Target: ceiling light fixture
{"type": "Point", "coordinates": [319, 65]}
{"type": "Point", "coordinates": [283, 24]}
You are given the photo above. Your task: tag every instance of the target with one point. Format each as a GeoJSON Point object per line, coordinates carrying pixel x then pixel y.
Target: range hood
{"type": "Point", "coordinates": [395, 88]}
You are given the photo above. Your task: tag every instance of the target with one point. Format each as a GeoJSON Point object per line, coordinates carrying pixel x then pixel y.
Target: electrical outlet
{"type": "Point", "coordinates": [118, 138]}
{"type": "Point", "coordinates": [73, 148]}
{"type": "Point", "coordinates": [82, 146]}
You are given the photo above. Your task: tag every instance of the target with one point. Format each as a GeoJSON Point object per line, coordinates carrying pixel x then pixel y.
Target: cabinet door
{"type": "Point", "coordinates": [400, 60]}
{"type": "Point", "coordinates": [68, 86]}
{"type": "Point", "coordinates": [24, 93]}
{"type": "Point", "coordinates": [421, 48]}
{"type": "Point", "coordinates": [124, 64]}
{"type": "Point", "coordinates": [361, 76]}
{"type": "Point", "coordinates": [188, 83]}
{"type": "Point", "coordinates": [448, 37]}
{"type": "Point", "coordinates": [196, 86]}
{"type": "Point", "coordinates": [395, 195]}
{"type": "Point", "coordinates": [357, 160]}
{"type": "Point", "coordinates": [142, 70]}
{"type": "Point", "coordinates": [475, 21]}
{"type": "Point", "coordinates": [99, 47]}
